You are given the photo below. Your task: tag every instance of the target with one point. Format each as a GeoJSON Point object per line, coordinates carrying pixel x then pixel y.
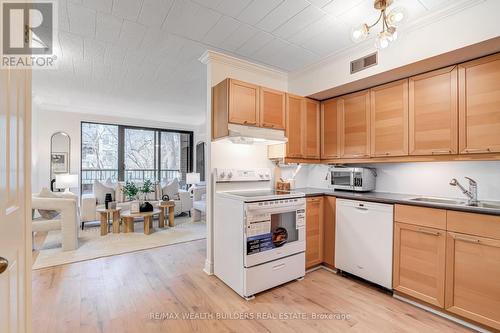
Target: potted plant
{"type": "Point", "coordinates": [146, 188]}
{"type": "Point", "coordinates": [130, 190]}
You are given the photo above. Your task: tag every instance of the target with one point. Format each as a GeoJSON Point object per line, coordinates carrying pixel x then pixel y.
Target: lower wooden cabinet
{"type": "Point", "coordinates": [314, 231]}
{"type": "Point", "coordinates": [473, 278]}
{"type": "Point", "coordinates": [419, 262]}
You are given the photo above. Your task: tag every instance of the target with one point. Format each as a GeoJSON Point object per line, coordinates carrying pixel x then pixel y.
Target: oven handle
{"type": "Point", "coordinates": [274, 210]}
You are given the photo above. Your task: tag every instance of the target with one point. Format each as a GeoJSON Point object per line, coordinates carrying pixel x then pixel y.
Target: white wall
{"type": "Point", "coordinates": [48, 122]}
{"type": "Point", "coordinates": [455, 30]}
{"type": "Point", "coordinates": [430, 179]}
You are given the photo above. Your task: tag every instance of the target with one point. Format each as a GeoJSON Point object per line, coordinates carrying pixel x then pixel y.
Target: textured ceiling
{"type": "Point", "coordinates": [139, 58]}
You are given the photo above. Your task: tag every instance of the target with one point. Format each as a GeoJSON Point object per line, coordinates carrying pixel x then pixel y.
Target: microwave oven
{"type": "Point", "coordinates": [353, 179]}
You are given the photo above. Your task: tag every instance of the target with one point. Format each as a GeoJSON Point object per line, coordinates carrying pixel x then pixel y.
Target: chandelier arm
{"type": "Point", "coordinates": [378, 20]}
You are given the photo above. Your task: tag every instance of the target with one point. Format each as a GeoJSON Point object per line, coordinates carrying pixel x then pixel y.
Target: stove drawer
{"type": "Point", "coordinates": [274, 273]}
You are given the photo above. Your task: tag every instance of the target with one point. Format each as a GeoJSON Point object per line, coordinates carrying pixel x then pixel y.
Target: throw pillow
{"type": "Point", "coordinates": [171, 189]}
{"type": "Point", "coordinates": [46, 213]}
{"type": "Point", "coordinates": [101, 189]}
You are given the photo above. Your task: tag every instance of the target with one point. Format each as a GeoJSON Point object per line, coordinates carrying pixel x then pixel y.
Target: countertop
{"type": "Point", "coordinates": [393, 198]}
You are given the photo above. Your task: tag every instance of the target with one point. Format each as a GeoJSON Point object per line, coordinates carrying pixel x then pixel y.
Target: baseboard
{"type": "Point", "coordinates": [441, 314]}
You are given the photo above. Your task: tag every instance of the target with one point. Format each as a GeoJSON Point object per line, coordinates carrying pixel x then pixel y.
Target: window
{"type": "Point", "coordinates": [127, 153]}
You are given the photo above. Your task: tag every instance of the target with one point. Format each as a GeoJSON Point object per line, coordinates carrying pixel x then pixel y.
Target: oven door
{"type": "Point", "coordinates": [273, 233]}
{"type": "Point", "coordinates": [342, 179]}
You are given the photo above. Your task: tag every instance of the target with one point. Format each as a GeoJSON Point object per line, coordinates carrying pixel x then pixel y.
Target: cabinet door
{"type": "Point", "coordinates": [330, 135]}
{"type": "Point", "coordinates": [272, 108]}
{"type": "Point", "coordinates": [389, 119]}
{"type": "Point", "coordinates": [434, 113]}
{"type": "Point", "coordinates": [243, 103]}
{"type": "Point", "coordinates": [312, 130]}
{"type": "Point", "coordinates": [329, 231]}
{"type": "Point", "coordinates": [472, 278]}
{"type": "Point", "coordinates": [314, 231]}
{"type": "Point", "coordinates": [294, 126]}
{"type": "Point", "coordinates": [479, 105]}
{"type": "Point", "coordinates": [355, 125]}
{"type": "Point", "coordinates": [419, 262]}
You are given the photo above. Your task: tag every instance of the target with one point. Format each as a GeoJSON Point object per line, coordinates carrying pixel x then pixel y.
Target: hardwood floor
{"type": "Point", "coordinates": [122, 293]}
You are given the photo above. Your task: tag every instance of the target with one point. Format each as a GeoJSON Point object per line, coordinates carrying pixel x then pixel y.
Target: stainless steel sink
{"type": "Point", "coordinates": [440, 201]}
{"type": "Point", "coordinates": [445, 201]}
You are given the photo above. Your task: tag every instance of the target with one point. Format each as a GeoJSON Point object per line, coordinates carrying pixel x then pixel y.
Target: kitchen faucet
{"type": "Point", "coordinates": [471, 193]}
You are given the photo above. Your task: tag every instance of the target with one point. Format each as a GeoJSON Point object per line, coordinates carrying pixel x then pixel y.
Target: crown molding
{"type": "Point", "coordinates": [210, 56]}
{"type": "Point", "coordinates": [367, 45]}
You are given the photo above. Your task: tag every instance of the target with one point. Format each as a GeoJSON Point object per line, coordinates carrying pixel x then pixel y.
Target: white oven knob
{"type": "Point", "coordinates": [230, 174]}
{"type": "Point", "coordinates": [222, 175]}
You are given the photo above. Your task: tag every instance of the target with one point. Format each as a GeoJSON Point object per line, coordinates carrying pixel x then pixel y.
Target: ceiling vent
{"type": "Point", "coordinates": [363, 63]}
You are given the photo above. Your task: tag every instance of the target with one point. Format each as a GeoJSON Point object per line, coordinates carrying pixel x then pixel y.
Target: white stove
{"type": "Point", "coordinates": [259, 234]}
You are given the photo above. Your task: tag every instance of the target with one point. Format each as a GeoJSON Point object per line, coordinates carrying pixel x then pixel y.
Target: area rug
{"type": "Point", "coordinates": [92, 245]}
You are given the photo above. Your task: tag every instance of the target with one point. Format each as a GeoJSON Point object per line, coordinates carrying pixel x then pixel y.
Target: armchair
{"type": "Point", "coordinates": [67, 221]}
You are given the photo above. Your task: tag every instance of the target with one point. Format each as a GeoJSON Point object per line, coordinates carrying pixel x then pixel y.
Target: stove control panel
{"type": "Point", "coordinates": [242, 175]}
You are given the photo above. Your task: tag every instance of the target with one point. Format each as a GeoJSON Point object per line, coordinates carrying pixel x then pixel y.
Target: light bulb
{"type": "Point", "coordinates": [359, 33]}
{"type": "Point", "coordinates": [382, 40]}
{"type": "Point", "coordinates": [396, 16]}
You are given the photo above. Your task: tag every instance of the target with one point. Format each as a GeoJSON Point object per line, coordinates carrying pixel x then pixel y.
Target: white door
{"type": "Point", "coordinates": [15, 132]}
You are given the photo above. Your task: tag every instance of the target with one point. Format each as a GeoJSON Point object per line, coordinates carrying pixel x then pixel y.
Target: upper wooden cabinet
{"type": "Point", "coordinates": [243, 103]}
{"type": "Point", "coordinates": [354, 125]}
{"type": "Point", "coordinates": [479, 105]}
{"type": "Point", "coordinates": [314, 231]}
{"type": "Point", "coordinates": [294, 126]}
{"type": "Point", "coordinates": [433, 112]}
{"type": "Point", "coordinates": [312, 129]}
{"type": "Point", "coordinates": [389, 119]}
{"type": "Point", "coordinates": [272, 108]}
{"type": "Point", "coordinates": [330, 135]}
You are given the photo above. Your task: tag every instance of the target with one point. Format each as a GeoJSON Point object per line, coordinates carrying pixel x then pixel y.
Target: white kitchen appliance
{"type": "Point", "coordinates": [259, 238]}
{"type": "Point", "coordinates": [363, 240]}
{"type": "Point", "coordinates": [353, 179]}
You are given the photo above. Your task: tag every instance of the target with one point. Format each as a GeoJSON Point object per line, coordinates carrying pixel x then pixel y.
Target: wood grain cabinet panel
{"type": "Point", "coordinates": [355, 125]}
{"type": "Point", "coordinates": [329, 231]}
{"type": "Point", "coordinates": [312, 129]}
{"type": "Point", "coordinates": [294, 126]}
{"type": "Point", "coordinates": [433, 113]}
{"type": "Point", "coordinates": [243, 103]}
{"type": "Point", "coordinates": [472, 278]}
{"type": "Point", "coordinates": [314, 231]}
{"type": "Point", "coordinates": [389, 119]}
{"type": "Point", "coordinates": [479, 105]}
{"type": "Point", "coordinates": [330, 134]}
{"type": "Point", "coordinates": [272, 108]}
{"type": "Point", "coordinates": [419, 262]}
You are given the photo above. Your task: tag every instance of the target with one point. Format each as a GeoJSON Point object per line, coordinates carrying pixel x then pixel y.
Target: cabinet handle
{"type": "Point", "coordinates": [246, 122]}
{"type": "Point", "coordinates": [429, 232]}
{"type": "Point", "coordinates": [268, 125]}
{"type": "Point", "coordinates": [466, 239]}
{"type": "Point", "coordinates": [471, 150]}
{"type": "Point", "coordinates": [441, 152]}
{"type": "Point", "coordinates": [383, 154]}
{"type": "Point", "coordinates": [360, 155]}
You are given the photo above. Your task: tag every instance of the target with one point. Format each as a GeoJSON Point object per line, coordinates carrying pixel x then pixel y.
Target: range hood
{"type": "Point", "coordinates": [255, 135]}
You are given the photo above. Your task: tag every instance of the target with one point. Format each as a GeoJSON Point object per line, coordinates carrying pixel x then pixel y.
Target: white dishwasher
{"type": "Point", "coordinates": [363, 240]}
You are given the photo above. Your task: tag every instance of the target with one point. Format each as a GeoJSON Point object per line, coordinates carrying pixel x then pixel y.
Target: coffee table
{"type": "Point", "coordinates": [128, 219]}
{"type": "Point", "coordinates": [164, 205]}
{"type": "Point", "coordinates": [106, 216]}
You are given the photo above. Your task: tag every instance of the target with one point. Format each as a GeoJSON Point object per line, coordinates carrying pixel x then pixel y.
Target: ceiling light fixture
{"type": "Point", "coordinates": [390, 20]}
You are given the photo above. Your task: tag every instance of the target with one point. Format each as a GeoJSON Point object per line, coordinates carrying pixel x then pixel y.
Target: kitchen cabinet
{"type": "Point", "coordinates": [272, 108]}
{"type": "Point", "coordinates": [329, 231]}
{"type": "Point", "coordinates": [355, 125]}
{"type": "Point", "coordinates": [243, 103]}
{"type": "Point", "coordinates": [330, 135]}
{"type": "Point", "coordinates": [314, 231]}
{"type": "Point", "coordinates": [479, 105]}
{"type": "Point", "coordinates": [433, 112]}
{"type": "Point", "coordinates": [294, 126]}
{"type": "Point", "coordinates": [389, 119]}
{"type": "Point", "coordinates": [419, 262]}
{"type": "Point", "coordinates": [312, 129]}
{"type": "Point", "coordinates": [472, 271]}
